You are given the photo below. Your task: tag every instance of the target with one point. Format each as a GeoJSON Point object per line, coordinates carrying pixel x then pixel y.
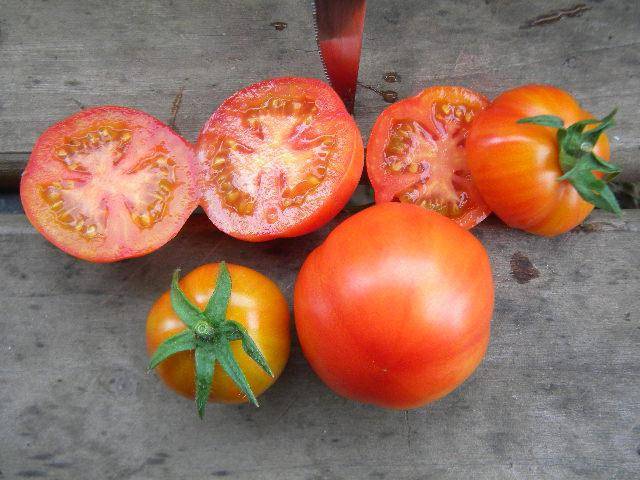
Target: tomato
{"type": "Point", "coordinates": [394, 307]}
{"type": "Point", "coordinates": [516, 166]}
{"type": "Point", "coordinates": [280, 158]}
{"type": "Point", "coordinates": [416, 153]}
{"type": "Point", "coordinates": [109, 183]}
{"type": "Point", "coordinates": [255, 302]}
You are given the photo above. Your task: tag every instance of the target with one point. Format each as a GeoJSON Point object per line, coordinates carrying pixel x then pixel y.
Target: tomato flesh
{"type": "Point", "coordinates": [109, 183]}
{"type": "Point", "coordinates": [279, 158]}
{"type": "Point", "coordinates": [416, 153]}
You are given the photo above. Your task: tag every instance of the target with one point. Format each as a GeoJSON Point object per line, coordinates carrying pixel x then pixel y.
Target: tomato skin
{"type": "Point", "coordinates": [121, 240]}
{"type": "Point", "coordinates": [323, 203]}
{"type": "Point", "coordinates": [394, 308]}
{"type": "Point", "coordinates": [436, 164]}
{"type": "Point", "coordinates": [515, 166]}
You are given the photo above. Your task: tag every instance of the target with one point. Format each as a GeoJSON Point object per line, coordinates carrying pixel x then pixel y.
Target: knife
{"type": "Point", "coordinates": [339, 25]}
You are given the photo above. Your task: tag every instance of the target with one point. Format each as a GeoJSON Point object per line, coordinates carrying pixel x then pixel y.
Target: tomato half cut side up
{"type": "Point", "coordinates": [416, 153]}
{"type": "Point", "coordinates": [109, 183]}
{"type": "Point", "coordinates": [279, 158]}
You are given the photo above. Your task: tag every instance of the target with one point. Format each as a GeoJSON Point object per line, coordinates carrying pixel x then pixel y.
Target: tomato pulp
{"type": "Point", "coordinates": [394, 307]}
{"type": "Point", "coordinates": [279, 158]}
{"type": "Point", "coordinates": [416, 153]}
{"type": "Point", "coordinates": [109, 183]}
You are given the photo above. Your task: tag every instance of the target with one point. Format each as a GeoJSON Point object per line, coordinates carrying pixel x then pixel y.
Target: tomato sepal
{"type": "Point", "coordinates": [552, 121]}
{"type": "Point", "coordinates": [234, 331]}
{"type": "Point", "coordinates": [180, 342]}
{"type": "Point", "coordinates": [221, 353]}
{"type": "Point", "coordinates": [187, 311]}
{"type": "Point", "coordinates": [578, 161]}
{"type": "Point", "coordinates": [216, 308]}
{"type": "Point", "coordinates": [209, 335]}
{"type": "Point", "coordinates": [205, 362]}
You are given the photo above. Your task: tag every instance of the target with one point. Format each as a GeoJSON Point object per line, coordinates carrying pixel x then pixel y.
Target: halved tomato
{"type": "Point", "coordinates": [109, 183]}
{"type": "Point", "coordinates": [279, 158]}
{"type": "Point", "coordinates": [416, 153]}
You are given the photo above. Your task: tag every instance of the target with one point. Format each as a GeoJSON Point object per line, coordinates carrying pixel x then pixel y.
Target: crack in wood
{"type": "Point", "coordinates": [556, 15]}
{"type": "Point", "coordinates": [408, 429]}
{"type": "Point", "coordinates": [78, 103]}
{"type": "Point", "coordinates": [175, 107]}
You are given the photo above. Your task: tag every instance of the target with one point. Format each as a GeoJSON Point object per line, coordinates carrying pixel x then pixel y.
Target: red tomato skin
{"type": "Point", "coordinates": [515, 166]}
{"type": "Point", "coordinates": [336, 195]}
{"type": "Point", "coordinates": [97, 251]}
{"type": "Point", "coordinates": [394, 308]}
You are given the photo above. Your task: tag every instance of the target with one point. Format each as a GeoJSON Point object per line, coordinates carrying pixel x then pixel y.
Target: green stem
{"type": "Point", "coordinates": [578, 161]}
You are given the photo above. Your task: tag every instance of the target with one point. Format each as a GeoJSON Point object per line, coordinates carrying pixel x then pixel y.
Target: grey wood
{"type": "Point", "coordinates": [59, 56]}
{"type": "Point", "coordinates": [557, 396]}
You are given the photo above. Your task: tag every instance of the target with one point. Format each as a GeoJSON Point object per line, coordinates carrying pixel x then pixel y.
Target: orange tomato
{"type": "Point", "coordinates": [516, 167]}
{"type": "Point", "coordinates": [256, 303]}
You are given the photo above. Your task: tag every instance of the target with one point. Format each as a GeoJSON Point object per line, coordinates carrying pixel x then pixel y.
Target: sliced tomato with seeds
{"type": "Point", "coordinates": [416, 153]}
{"type": "Point", "coordinates": [279, 158]}
{"type": "Point", "coordinates": [109, 183]}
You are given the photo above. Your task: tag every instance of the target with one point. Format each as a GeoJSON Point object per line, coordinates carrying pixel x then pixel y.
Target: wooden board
{"type": "Point", "coordinates": [178, 60]}
{"type": "Point", "coordinates": [557, 396]}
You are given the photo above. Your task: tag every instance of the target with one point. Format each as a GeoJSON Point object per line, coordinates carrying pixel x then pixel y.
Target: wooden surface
{"type": "Point", "coordinates": [59, 56]}
{"type": "Point", "coordinates": [557, 396]}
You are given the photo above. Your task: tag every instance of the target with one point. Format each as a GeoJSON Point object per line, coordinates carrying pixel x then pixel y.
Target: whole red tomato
{"type": "Point", "coordinates": [394, 308]}
{"type": "Point", "coordinates": [527, 177]}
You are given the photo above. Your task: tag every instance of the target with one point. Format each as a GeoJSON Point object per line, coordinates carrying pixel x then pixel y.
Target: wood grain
{"type": "Point", "coordinates": [59, 56]}
{"type": "Point", "coordinates": [557, 396]}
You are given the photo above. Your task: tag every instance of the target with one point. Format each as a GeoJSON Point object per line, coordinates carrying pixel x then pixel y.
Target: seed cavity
{"type": "Point", "coordinates": [158, 174]}
{"type": "Point", "coordinates": [94, 158]}
{"type": "Point", "coordinates": [437, 162]}
{"type": "Point", "coordinates": [271, 215]}
{"type": "Point", "coordinates": [75, 149]}
{"type": "Point", "coordinates": [282, 133]}
{"type": "Point", "coordinates": [404, 138]}
{"type": "Point", "coordinates": [65, 213]}
{"type": "Point", "coordinates": [453, 113]}
{"type": "Point", "coordinates": [433, 197]}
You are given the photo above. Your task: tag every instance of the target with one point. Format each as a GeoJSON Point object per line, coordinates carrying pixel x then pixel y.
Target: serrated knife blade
{"type": "Point", "coordinates": [339, 26]}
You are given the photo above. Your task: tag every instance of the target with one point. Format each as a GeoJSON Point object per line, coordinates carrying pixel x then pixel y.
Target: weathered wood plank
{"type": "Point", "coordinates": [59, 56]}
{"type": "Point", "coordinates": [558, 395]}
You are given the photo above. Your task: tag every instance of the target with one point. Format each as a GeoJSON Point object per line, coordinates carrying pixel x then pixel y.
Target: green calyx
{"type": "Point", "coordinates": [209, 335]}
{"type": "Point", "coordinates": [578, 161]}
